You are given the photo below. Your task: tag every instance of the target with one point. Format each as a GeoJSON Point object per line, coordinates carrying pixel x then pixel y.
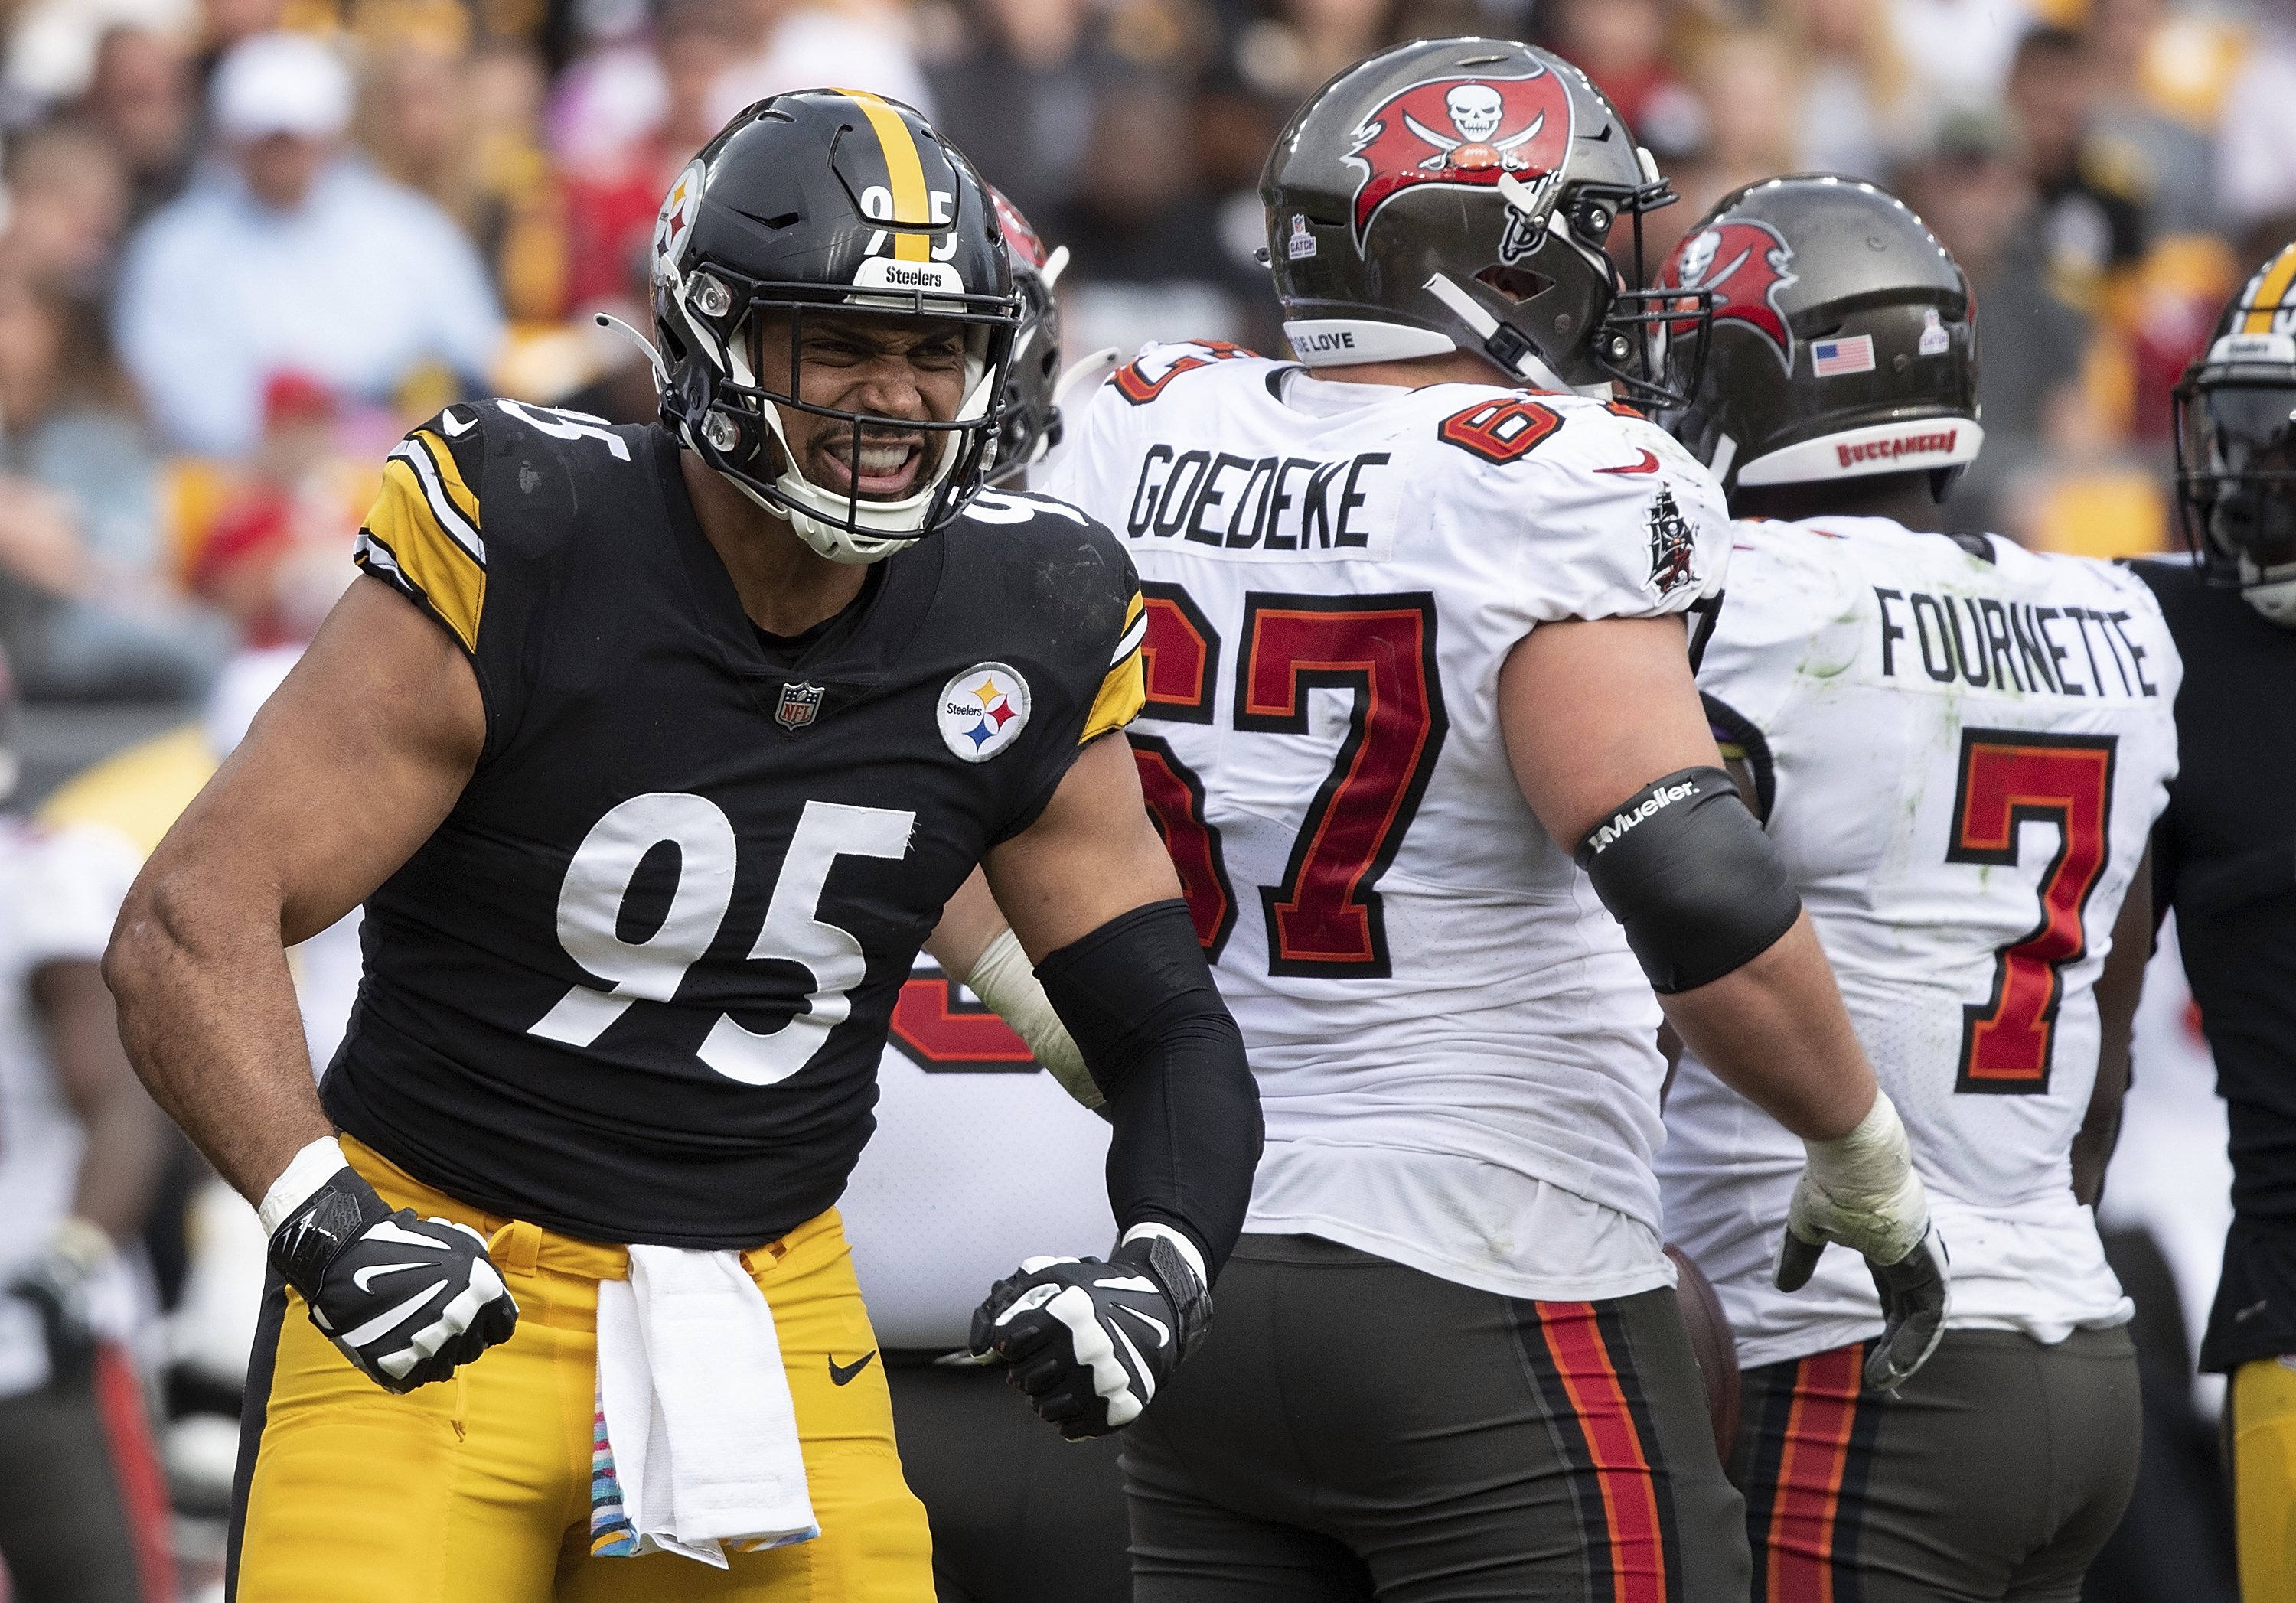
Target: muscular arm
{"type": "Point", "coordinates": [1593, 712]}
{"type": "Point", "coordinates": [348, 769]}
{"type": "Point", "coordinates": [968, 923]}
{"type": "Point", "coordinates": [1090, 854]}
{"type": "Point", "coordinates": [1095, 903]}
{"type": "Point", "coordinates": [2119, 989]}
{"type": "Point", "coordinates": [126, 1139]}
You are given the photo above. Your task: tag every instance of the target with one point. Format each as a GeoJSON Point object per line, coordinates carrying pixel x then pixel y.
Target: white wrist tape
{"type": "Point", "coordinates": [1868, 1185]}
{"type": "Point", "coordinates": [1006, 979]}
{"type": "Point", "coordinates": [305, 1174]}
{"type": "Point", "coordinates": [1188, 1248]}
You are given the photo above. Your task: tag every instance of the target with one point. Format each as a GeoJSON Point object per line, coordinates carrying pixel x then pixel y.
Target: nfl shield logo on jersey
{"type": "Point", "coordinates": [800, 704]}
{"type": "Point", "coordinates": [982, 711]}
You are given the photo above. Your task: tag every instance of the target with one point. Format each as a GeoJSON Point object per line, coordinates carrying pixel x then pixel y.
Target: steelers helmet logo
{"type": "Point", "coordinates": [982, 711]}
{"type": "Point", "coordinates": [674, 224]}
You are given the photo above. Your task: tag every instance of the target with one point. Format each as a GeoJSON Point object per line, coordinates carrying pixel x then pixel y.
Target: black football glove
{"type": "Point", "coordinates": [57, 1289]}
{"type": "Point", "coordinates": [1090, 1342]}
{"type": "Point", "coordinates": [407, 1300]}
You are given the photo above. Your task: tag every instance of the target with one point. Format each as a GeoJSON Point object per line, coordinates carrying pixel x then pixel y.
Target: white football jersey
{"type": "Point", "coordinates": [979, 1160]}
{"type": "Point", "coordinates": [1961, 760]}
{"type": "Point", "coordinates": [1454, 1044]}
{"type": "Point", "coordinates": [59, 893]}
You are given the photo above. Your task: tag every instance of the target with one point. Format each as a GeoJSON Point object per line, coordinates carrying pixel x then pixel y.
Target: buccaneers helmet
{"type": "Point", "coordinates": [2236, 446]}
{"type": "Point", "coordinates": [821, 200]}
{"type": "Point", "coordinates": [1029, 423]}
{"type": "Point", "coordinates": [1844, 343]}
{"type": "Point", "coordinates": [1458, 194]}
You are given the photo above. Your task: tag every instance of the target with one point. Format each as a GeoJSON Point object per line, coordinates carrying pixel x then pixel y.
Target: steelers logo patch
{"type": "Point", "coordinates": [674, 222]}
{"type": "Point", "coordinates": [983, 710]}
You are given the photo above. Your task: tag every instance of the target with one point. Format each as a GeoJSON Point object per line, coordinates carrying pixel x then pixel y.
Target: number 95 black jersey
{"type": "Point", "coordinates": [635, 987]}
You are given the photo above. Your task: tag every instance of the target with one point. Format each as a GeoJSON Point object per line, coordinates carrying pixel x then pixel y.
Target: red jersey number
{"type": "Point", "coordinates": [2009, 779]}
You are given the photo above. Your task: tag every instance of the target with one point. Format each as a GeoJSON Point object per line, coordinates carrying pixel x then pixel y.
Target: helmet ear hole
{"type": "Point", "coordinates": [1518, 284]}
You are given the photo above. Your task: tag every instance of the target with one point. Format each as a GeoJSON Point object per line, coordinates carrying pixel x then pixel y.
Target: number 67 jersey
{"type": "Point", "coordinates": [1959, 748]}
{"type": "Point", "coordinates": [1452, 1044]}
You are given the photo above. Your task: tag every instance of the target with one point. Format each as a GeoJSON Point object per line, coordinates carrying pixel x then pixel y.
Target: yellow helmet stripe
{"type": "Point", "coordinates": [2270, 291]}
{"type": "Point", "coordinates": [904, 172]}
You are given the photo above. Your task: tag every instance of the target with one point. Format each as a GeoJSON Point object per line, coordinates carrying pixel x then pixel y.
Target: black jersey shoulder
{"type": "Point", "coordinates": [488, 483]}
{"type": "Point", "coordinates": [1058, 570]}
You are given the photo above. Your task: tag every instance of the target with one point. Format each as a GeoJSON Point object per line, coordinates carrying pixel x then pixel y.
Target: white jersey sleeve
{"type": "Point", "coordinates": [980, 1159]}
{"type": "Point", "coordinates": [59, 892]}
{"type": "Point", "coordinates": [1454, 1046]}
{"type": "Point", "coordinates": [1961, 758]}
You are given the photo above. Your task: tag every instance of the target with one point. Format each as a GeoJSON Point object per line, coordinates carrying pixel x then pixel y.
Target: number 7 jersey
{"type": "Point", "coordinates": [1453, 1043]}
{"type": "Point", "coordinates": [1960, 758]}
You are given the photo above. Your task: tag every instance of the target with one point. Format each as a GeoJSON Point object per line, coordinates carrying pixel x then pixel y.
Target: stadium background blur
{"type": "Point", "coordinates": [216, 312]}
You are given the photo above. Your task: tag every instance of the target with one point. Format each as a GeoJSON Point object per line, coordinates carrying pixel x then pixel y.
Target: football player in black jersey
{"type": "Point", "coordinates": [2221, 859]}
{"type": "Point", "coordinates": [653, 753]}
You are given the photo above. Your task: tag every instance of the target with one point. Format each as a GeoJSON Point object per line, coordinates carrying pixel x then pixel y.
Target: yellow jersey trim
{"type": "Point", "coordinates": [904, 172]}
{"type": "Point", "coordinates": [1125, 689]}
{"type": "Point", "coordinates": [406, 540]}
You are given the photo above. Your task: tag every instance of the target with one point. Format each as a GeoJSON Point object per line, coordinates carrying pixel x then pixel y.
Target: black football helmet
{"type": "Point", "coordinates": [817, 200]}
{"type": "Point", "coordinates": [1459, 194]}
{"type": "Point", "coordinates": [1844, 339]}
{"type": "Point", "coordinates": [1029, 423]}
{"type": "Point", "coordinates": [2236, 444]}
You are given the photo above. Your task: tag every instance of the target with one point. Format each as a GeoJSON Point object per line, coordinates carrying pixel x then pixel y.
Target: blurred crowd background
{"type": "Point", "coordinates": [245, 244]}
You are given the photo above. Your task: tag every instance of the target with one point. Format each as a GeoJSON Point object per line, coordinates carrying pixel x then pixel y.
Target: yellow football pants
{"type": "Point", "coordinates": [2262, 1410]}
{"type": "Point", "coordinates": [478, 1488]}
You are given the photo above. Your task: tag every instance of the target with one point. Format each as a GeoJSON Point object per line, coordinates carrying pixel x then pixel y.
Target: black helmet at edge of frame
{"type": "Point", "coordinates": [2236, 443]}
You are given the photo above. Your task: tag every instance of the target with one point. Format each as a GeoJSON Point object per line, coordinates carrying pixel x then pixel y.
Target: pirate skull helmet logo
{"type": "Point", "coordinates": [1496, 126]}
{"type": "Point", "coordinates": [1745, 264]}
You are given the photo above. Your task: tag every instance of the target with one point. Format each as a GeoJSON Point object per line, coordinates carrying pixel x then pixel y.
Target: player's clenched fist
{"type": "Point", "coordinates": [1860, 1189]}
{"type": "Point", "coordinates": [405, 1299]}
{"type": "Point", "coordinates": [1090, 1342]}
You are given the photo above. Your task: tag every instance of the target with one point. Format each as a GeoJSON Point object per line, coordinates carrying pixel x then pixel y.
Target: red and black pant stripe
{"type": "Point", "coordinates": [1584, 1367]}
{"type": "Point", "coordinates": [1808, 1460]}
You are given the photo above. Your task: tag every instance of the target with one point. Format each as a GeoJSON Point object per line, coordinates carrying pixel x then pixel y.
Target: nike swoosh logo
{"type": "Point", "coordinates": [382, 1323]}
{"type": "Point", "coordinates": [1163, 1331]}
{"type": "Point", "coordinates": [1648, 464]}
{"type": "Point", "coordinates": [454, 430]}
{"type": "Point", "coordinates": [364, 1279]}
{"type": "Point", "coordinates": [839, 1374]}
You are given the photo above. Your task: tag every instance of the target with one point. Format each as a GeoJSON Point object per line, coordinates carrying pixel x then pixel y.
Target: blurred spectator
{"type": "Point", "coordinates": [1959, 50]}
{"type": "Point", "coordinates": [52, 45]}
{"type": "Point", "coordinates": [2166, 160]}
{"type": "Point", "coordinates": [1749, 88]}
{"type": "Point", "coordinates": [86, 606]}
{"type": "Point", "coordinates": [786, 45]}
{"type": "Point", "coordinates": [139, 97]}
{"type": "Point", "coordinates": [289, 255]}
{"type": "Point", "coordinates": [1018, 99]}
{"type": "Point", "coordinates": [1149, 260]}
{"type": "Point", "coordinates": [87, 1516]}
{"type": "Point", "coordinates": [2256, 135]}
{"type": "Point", "coordinates": [1859, 112]}
{"type": "Point", "coordinates": [614, 187]}
{"type": "Point", "coordinates": [1974, 193]}
{"type": "Point", "coordinates": [1621, 45]}
{"type": "Point", "coordinates": [69, 205]}
{"type": "Point", "coordinates": [2090, 222]}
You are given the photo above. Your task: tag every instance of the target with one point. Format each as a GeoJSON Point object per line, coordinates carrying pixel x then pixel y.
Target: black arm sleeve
{"type": "Point", "coordinates": [1138, 998]}
{"type": "Point", "coordinates": [1685, 867]}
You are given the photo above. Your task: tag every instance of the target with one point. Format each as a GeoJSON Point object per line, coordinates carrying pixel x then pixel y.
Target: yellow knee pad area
{"type": "Point", "coordinates": [2263, 1409]}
